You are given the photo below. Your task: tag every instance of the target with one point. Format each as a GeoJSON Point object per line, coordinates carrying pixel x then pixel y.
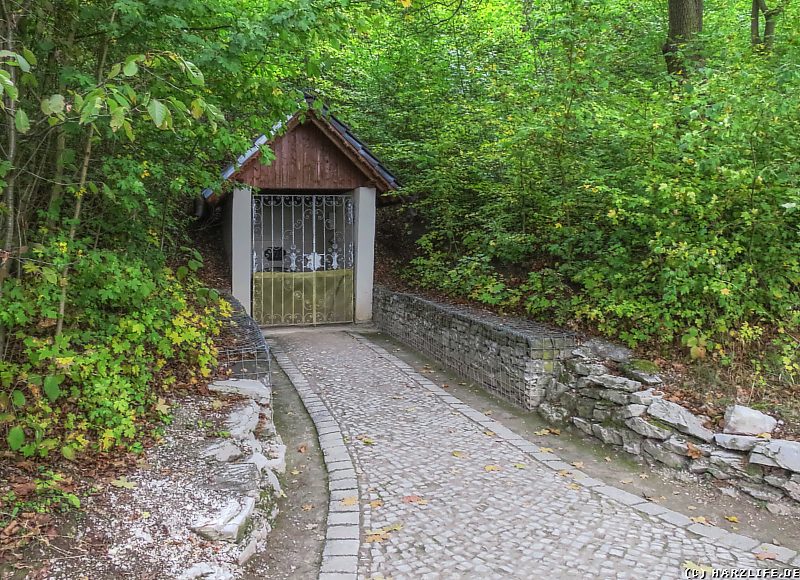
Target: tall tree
{"type": "Point", "coordinates": [770, 15]}
{"type": "Point", "coordinates": [685, 23]}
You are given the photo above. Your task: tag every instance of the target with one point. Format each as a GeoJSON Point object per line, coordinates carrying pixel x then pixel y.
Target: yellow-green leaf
{"type": "Point", "coordinates": [21, 121]}
{"type": "Point", "coordinates": [15, 438]}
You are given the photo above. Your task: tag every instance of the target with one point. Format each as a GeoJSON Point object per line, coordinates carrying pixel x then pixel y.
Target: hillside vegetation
{"type": "Point", "coordinates": [590, 164]}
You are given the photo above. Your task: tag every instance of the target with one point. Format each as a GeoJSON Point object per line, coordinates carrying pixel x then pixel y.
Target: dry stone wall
{"type": "Point", "coordinates": [599, 388]}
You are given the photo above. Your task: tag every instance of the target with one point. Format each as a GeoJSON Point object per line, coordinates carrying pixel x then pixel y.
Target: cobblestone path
{"type": "Point", "coordinates": [445, 492]}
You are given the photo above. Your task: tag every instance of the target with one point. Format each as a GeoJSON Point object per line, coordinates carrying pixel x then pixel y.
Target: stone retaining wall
{"type": "Point", "coordinates": [599, 388]}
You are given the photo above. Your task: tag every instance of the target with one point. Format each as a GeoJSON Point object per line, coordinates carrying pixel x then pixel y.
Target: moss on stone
{"type": "Point", "coordinates": [643, 365]}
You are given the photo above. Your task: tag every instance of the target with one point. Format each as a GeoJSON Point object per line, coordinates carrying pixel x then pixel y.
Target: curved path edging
{"type": "Point", "coordinates": [343, 533]}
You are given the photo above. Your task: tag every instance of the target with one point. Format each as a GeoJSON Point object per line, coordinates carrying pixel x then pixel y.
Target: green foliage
{"type": "Point", "coordinates": [50, 492]}
{"type": "Point", "coordinates": [558, 166]}
{"type": "Point", "coordinates": [134, 331]}
{"type": "Point", "coordinates": [120, 112]}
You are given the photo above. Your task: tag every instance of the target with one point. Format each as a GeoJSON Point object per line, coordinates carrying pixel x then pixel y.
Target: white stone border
{"type": "Point", "coordinates": [343, 534]}
{"type": "Point", "coordinates": [551, 460]}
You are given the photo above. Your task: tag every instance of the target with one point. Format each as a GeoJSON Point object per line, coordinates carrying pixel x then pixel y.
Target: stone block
{"type": "Point", "coordinates": [680, 418]}
{"type": "Point", "coordinates": [610, 435]}
{"type": "Point", "coordinates": [602, 413]}
{"type": "Point", "coordinates": [728, 459]}
{"type": "Point", "coordinates": [244, 387]}
{"type": "Point", "coordinates": [644, 427]}
{"type": "Point", "coordinates": [585, 368]}
{"type": "Point", "coordinates": [741, 420]}
{"type": "Point", "coordinates": [736, 442]}
{"type": "Point", "coordinates": [584, 406]}
{"type": "Point", "coordinates": [229, 523]}
{"type": "Point", "coordinates": [606, 350]}
{"type": "Point", "coordinates": [553, 413]}
{"type": "Point", "coordinates": [631, 411]}
{"type": "Point", "coordinates": [760, 491]}
{"type": "Point", "coordinates": [615, 382]}
{"type": "Point", "coordinates": [569, 401]}
{"type": "Point", "coordinates": [644, 377]}
{"type": "Point", "coordinates": [777, 453]}
{"type": "Point", "coordinates": [618, 397]}
{"type": "Point", "coordinates": [631, 442]}
{"type": "Point", "coordinates": [555, 389]}
{"type": "Point", "coordinates": [645, 397]}
{"type": "Point", "coordinates": [222, 451]}
{"type": "Point", "coordinates": [236, 477]}
{"type": "Point", "coordinates": [668, 458]}
{"type": "Point", "coordinates": [583, 425]}
{"type": "Point", "coordinates": [241, 423]}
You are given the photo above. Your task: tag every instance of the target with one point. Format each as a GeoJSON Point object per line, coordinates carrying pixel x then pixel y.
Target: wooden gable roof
{"type": "Point", "coordinates": [313, 151]}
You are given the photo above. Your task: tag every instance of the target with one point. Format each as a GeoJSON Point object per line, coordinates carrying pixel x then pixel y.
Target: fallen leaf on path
{"type": "Point", "coordinates": [307, 507]}
{"type": "Point", "coordinates": [565, 473]}
{"type": "Point", "coordinates": [519, 465]}
{"type": "Point", "coordinates": [546, 449]}
{"type": "Point", "coordinates": [395, 527]}
{"type": "Point", "coordinates": [216, 404]}
{"type": "Point", "coordinates": [382, 534]}
{"type": "Point", "coordinates": [574, 486]}
{"type": "Point", "coordinates": [377, 537]}
{"type": "Point", "coordinates": [123, 483]}
{"type": "Point", "coordinates": [415, 499]}
{"type": "Point", "coordinates": [489, 433]}
{"type": "Point", "coordinates": [643, 476]}
{"type": "Point", "coordinates": [626, 481]}
{"type": "Point", "coordinates": [376, 503]}
{"type": "Point", "coordinates": [693, 451]}
{"type": "Point", "coordinates": [487, 413]}
{"type": "Point", "coordinates": [548, 431]}
{"type": "Point", "coordinates": [764, 435]}
{"type": "Point", "coordinates": [607, 458]}
{"type": "Point", "coordinates": [295, 472]}
{"type": "Point", "coordinates": [459, 454]}
{"type": "Point", "coordinates": [302, 448]}
{"type": "Point", "coordinates": [145, 515]}
{"type": "Point", "coordinates": [577, 464]}
{"type": "Point", "coordinates": [732, 519]}
{"type": "Point", "coordinates": [701, 520]}
{"type": "Point", "coordinates": [23, 489]}
{"type": "Point", "coordinates": [491, 468]}
{"type": "Point", "coordinates": [352, 500]}
{"type": "Point", "coordinates": [366, 440]}
{"type": "Point", "coordinates": [162, 407]}
{"type": "Point", "coordinates": [766, 556]}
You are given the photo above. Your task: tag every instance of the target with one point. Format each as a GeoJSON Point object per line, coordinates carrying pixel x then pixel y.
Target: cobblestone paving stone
{"type": "Point", "coordinates": [520, 518]}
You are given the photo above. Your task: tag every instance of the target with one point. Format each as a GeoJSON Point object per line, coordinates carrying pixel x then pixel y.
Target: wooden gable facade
{"type": "Point", "coordinates": [305, 158]}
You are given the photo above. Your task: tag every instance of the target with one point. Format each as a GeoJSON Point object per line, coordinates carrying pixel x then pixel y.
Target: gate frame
{"type": "Point", "coordinates": [238, 220]}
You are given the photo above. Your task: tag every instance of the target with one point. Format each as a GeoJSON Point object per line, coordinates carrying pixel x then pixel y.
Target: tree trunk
{"type": "Point", "coordinates": [7, 250]}
{"type": "Point", "coordinates": [57, 191]}
{"type": "Point", "coordinates": [87, 156]}
{"type": "Point", "coordinates": [685, 23]}
{"type": "Point", "coordinates": [766, 42]}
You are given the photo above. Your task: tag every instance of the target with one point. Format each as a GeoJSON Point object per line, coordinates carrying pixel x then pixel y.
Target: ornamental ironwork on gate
{"type": "Point", "coordinates": [303, 257]}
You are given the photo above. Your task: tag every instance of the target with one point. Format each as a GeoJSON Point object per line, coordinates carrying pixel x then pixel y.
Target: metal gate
{"type": "Point", "coordinates": [303, 256]}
